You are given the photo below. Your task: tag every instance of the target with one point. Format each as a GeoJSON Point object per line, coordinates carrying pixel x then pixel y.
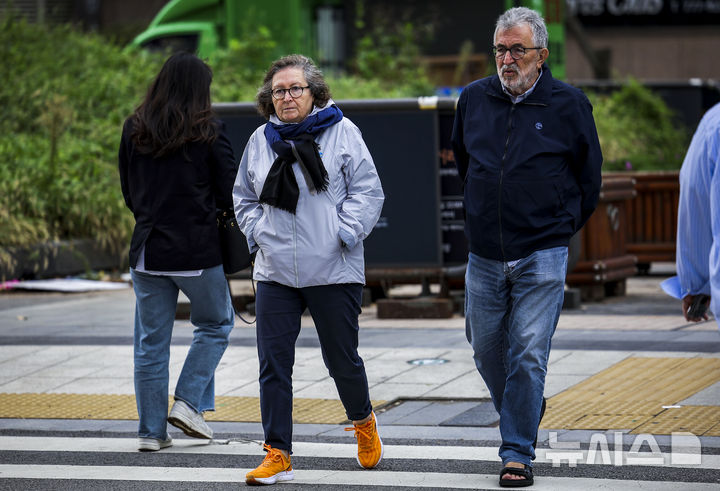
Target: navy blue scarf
{"type": "Point", "coordinates": [296, 143]}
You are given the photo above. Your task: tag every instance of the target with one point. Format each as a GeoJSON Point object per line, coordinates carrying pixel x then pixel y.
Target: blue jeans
{"type": "Point", "coordinates": [213, 318]}
{"type": "Point", "coordinates": [335, 310]}
{"type": "Point", "coordinates": [510, 317]}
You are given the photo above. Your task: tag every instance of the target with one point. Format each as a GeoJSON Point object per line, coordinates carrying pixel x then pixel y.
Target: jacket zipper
{"type": "Point", "coordinates": [297, 277]}
{"type": "Point", "coordinates": [500, 182]}
{"type": "Point", "coordinates": [502, 168]}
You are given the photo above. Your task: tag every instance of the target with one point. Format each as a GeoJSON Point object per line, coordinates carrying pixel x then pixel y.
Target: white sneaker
{"type": "Point", "coordinates": [153, 444]}
{"type": "Point", "coordinates": [192, 423]}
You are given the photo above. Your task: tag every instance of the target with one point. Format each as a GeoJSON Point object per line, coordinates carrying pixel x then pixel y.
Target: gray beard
{"type": "Point", "coordinates": [522, 83]}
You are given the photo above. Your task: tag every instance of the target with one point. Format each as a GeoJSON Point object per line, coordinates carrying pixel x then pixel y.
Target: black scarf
{"type": "Point", "coordinates": [295, 143]}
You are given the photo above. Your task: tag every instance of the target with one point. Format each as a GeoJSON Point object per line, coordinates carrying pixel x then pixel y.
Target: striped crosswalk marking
{"type": "Point", "coordinates": [433, 480]}
{"type": "Point", "coordinates": [325, 450]}
{"type": "Point", "coordinates": [323, 477]}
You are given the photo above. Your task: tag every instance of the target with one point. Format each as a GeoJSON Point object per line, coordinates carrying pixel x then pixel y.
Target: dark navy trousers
{"type": "Point", "coordinates": [335, 310]}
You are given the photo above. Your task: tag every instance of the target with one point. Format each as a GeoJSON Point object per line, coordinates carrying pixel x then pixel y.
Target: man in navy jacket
{"type": "Point", "coordinates": [527, 150]}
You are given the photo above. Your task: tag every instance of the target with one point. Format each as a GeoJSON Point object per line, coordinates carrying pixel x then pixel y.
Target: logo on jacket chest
{"type": "Point", "coordinates": [538, 126]}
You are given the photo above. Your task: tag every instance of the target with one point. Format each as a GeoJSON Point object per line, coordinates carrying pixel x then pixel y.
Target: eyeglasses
{"type": "Point", "coordinates": [295, 92]}
{"type": "Point", "coordinates": [516, 51]}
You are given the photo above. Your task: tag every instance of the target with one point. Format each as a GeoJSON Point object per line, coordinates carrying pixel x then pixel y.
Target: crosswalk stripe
{"type": "Point", "coordinates": [436, 480]}
{"type": "Point", "coordinates": [342, 450]}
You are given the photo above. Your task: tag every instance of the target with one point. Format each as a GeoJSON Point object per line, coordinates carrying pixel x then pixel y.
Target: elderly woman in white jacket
{"type": "Point", "coordinates": [306, 195]}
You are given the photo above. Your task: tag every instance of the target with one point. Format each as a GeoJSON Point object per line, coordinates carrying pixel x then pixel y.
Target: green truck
{"type": "Point", "coordinates": [318, 28]}
{"type": "Point", "coordinates": [315, 27]}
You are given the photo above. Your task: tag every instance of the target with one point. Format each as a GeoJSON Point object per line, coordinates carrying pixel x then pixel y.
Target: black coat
{"type": "Point", "coordinates": [174, 201]}
{"type": "Point", "coordinates": [531, 170]}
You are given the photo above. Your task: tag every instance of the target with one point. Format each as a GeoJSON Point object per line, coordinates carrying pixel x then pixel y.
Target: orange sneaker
{"type": "Point", "coordinates": [275, 467]}
{"type": "Point", "coordinates": [370, 447]}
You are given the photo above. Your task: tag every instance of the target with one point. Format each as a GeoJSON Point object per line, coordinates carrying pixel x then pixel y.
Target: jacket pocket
{"type": "Point", "coordinates": [481, 198]}
{"type": "Point", "coordinates": [571, 199]}
{"type": "Point", "coordinates": [257, 230]}
{"type": "Point", "coordinates": [529, 205]}
{"type": "Point", "coordinates": [539, 198]}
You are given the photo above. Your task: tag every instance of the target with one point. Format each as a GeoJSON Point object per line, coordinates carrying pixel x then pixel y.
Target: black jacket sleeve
{"type": "Point", "coordinates": [226, 167]}
{"type": "Point", "coordinates": [123, 163]}
{"type": "Point", "coordinates": [587, 162]}
{"type": "Point", "coordinates": [461, 156]}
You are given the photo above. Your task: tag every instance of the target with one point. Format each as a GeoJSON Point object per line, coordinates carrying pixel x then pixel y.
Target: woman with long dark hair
{"type": "Point", "coordinates": [176, 168]}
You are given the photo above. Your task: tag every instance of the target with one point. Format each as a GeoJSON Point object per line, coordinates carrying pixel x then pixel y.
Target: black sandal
{"type": "Point", "coordinates": [525, 472]}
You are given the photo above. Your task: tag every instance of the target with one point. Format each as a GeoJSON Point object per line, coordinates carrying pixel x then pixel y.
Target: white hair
{"type": "Point", "coordinates": [523, 15]}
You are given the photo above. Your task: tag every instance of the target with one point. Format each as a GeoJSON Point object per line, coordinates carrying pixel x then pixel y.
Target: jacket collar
{"type": "Point", "coordinates": [541, 94]}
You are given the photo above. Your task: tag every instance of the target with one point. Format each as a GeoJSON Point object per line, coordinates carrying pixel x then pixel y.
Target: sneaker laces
{"type": "Point", "coordinates": [273, 456]}
{"type": "Point", "coordinates": [363, 434]}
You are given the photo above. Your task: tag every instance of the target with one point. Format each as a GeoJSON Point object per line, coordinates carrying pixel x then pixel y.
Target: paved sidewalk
{"type": "Point", "coordinates": [421, 372]}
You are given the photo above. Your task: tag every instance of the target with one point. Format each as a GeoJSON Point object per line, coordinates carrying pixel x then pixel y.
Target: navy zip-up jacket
{"type": "Point", "coordinates": [531, 170]}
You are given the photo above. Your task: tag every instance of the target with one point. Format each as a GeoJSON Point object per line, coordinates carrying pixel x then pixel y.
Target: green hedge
{"type": "Point", "coordinates": [637, 130]}
{"type": "Point", "coordinates": [64, 95]}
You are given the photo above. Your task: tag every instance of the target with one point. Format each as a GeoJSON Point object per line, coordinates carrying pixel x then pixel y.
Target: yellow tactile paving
{"type": "Point", "coordinates": [68, 406]}
{"type": "Point", "coordinates": [122, 406]}
{"type": "Point", "coordinates": [698, 420]}
{"type": "Point", "coordinates": [617, 407]}
{"type": "Point", "coordinates": [609, 421]}
{"type": "Point", "coordinates": [588, 415]}
{"type": "Point", "coordinates": [631, 395]}
{"type": "Point", "coordinates": [714, 431]}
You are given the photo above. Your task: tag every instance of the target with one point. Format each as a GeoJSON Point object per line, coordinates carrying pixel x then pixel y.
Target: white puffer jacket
{"type": "Point", "coordinates": [322, 243]}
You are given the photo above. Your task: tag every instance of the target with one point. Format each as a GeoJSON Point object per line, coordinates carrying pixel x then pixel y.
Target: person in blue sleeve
{"type": "Point", "coordinates": [698, 234]}
{"type": "Point", "coordinates": [527, 151]}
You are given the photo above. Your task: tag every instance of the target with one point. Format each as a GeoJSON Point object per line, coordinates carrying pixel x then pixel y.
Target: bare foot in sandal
{"type": "Point", "coordinates": [517, 465]}
{"type": "Point", "coordinates": [509, 477]}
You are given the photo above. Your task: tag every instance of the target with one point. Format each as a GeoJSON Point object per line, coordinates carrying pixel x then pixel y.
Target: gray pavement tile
{"type": "Point", "coordinates": [401, 410]}
{"type": "Point", "coordinates": [69, 425]}
{"type": "Point", "coordinates": [254, 430]}
{"type": "Point", "coordinates": [98, 385]}
{"type": "Point", "coordinates": [9, 353]}
{"type": "Point", "coordinates": [438, 374]}
{"type": "Point", "coordinates": [434, 413]}
{"type": "Point", "coordinates": [250, 389]}
{"type": "Point", "coordinates": [701, 336]}
{"type": "Point", "coordinates": [13, 370]}
{"type": "Point", "coordinates": [390, 352]}
{"type": "Point", "coordinates": [469, 385]}
{"type": "Point", "coordinates": [709, 396]}
{"type": "Point", "coordinates": [634, 341]}
{"type": "Point", "coordinates": [480, 414]}
{"type": "Point", "coordinates": [554, 384]}
{"type": "Point", "coordinates": [583, 363]}
{"type": "Point", "coordinates": [321, 389]}
{"type": "Point", "coordinates": [378, 370]}
{"type": "Point", "coordinates": [603, 335]}
{"type": "Point", "coordinates": [31, 384]}
{"type": "Point", "coordinates": [389, 391]}
{"type": "Point", "coordinates": [308, 370]}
